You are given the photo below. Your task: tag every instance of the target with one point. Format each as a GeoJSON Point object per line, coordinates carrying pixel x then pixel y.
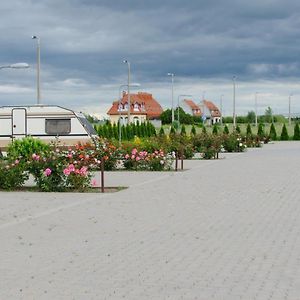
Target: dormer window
{"type": "Point", "coordinates": [136, 106]}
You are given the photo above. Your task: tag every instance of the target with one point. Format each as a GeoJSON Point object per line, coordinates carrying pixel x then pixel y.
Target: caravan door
{"type": "Point", "coordinates": [19, 122]}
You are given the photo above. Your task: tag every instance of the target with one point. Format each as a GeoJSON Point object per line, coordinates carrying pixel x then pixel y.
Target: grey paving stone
{"type": "Point", "coordinates": [224, 229]}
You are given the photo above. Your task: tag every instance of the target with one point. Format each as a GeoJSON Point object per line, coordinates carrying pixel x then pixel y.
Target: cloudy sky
{"type": "Point", "coordinates": [204, 43]}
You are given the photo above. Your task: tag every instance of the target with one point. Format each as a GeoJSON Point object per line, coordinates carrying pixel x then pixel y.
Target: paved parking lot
{"type": "Point", "coordinates": [224, 229]}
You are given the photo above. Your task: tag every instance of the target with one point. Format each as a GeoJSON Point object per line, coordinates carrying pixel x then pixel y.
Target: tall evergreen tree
{"type": "Point", "coordinates": [172, 130]}
{"type": "Point", "coordinates": [115, 130]}
{"type": "Point", "coordinates": [215, 129]}
{"type": "Point", "coordinates": [183, 131]}
{"type": "Point", "coordinates": [226, 130]}
{"type": "Point", "coordinates": [193, 130]}
{"type": "Point", "coordinates": [238, 129]}
{"type": "Point", "coordinates": [284, 134]}
{"type": "Point", "coordinates": [296, 136]}
{"type": "Point", "coordinates": [249, 130]}
{"type": "Point", "coordinates": [260, 131]}
{"type": "Point", "coordinates": [161, 131]}
{"type": "Point", "coordinates": [273, 134]}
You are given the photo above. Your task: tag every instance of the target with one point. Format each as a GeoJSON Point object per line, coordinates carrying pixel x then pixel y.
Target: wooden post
{"type": "Point", "coordinates": [176, 161]}
{"type": "Point", "coordinates": [102, 175]}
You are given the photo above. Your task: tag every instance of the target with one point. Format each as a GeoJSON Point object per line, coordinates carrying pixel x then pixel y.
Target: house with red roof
{"type": "Point", "coordinates": [210, 112]}
{"type": "Point", "coordinates": [143, 107]}
{"type": "Point", "coordinates": [190, 107]}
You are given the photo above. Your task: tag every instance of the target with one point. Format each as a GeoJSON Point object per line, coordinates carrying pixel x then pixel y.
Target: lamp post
{"type": "Point", "coordinates": [221, 108]}
{"type": "Point", "coordinates": [119, 108]}
{"type": "Point", "coordinates": [128, 90]}
{"type": "Point", "coordinates": [172, 77]}
{"type": "Point", "coordinates": [38, 68]}
{"type": "Point", "coordinates": [290, 121]}
{"type": "Point", "coordinates": [234, 116]}
{"type": "Point", "coordinates": [15, 66]}
{"type": "Point", "coordinates": [179, 96]}
{"type": "Point", "coordinates": [256, 109]}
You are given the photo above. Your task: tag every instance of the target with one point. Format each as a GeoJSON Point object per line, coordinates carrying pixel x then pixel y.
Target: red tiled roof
{"type": "Point", "coordinates": [210, 105]}
{"type": "Point", "coordinates": [147, 105]}
{"type": "Point", "coordinates": [191, 104]}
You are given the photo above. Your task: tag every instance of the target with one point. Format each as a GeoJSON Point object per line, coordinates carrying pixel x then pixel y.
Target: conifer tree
{"type": "Point", "coordinates": [273, 134]}
{"type": "Point", "coordinates": [99, 131]}
{"type": "Point", "coordinates": [104, 131]}
{"type": "Point", "coordinates": [115, 130]}
{"type": "Point", "coordinates": [284, 134]}
{"type": "Point", "coordinates": [183, 131]}
{"type": "Point", "coordinates": [249, 130]}
{"type": "Point", "coordinates": [193, 130]}
{"type": "Point", "coordinates": [215, 129]}
{"type": "Point", "coordinates": [124, 133]}
{"type": "Point", "coordinates": [226, 130]}
{"type": "Point", "coordinates": [172, 130]}
{"type": "Point", "coordinates": [238, 129]}
{"type": "Point", "coordinates": [161, 131]}
{"type": "Point", "coordinates": [260, 131]}
{"type": "Point", "coordinates": [296, 136]}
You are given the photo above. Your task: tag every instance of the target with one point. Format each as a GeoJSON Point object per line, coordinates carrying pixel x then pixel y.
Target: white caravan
{"type": "Point", "coordinates": [46, 122]}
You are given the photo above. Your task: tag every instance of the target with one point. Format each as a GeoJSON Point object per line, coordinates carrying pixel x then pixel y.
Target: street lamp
{"type": "Point", "coordinates": [234, 116]}
{"type": "Point", "coordinates": [38, 68]}
{"type": "Point", "coordinates": [120, 98]}
{"type": "Point", "coordinates": [128, 90]}
{"type": "Point", "coordinates": [178, 106]}
{"type": "Point", "coordinates": [221, 108]}
{"type": "Point", "coordinates": [256, 108]}
{"type": "Point", "coordinates": [290, 121]}
{"type": "Point", "coordinates": [172, 77]}
{"type": "Point", "coordinates": [15, 66]}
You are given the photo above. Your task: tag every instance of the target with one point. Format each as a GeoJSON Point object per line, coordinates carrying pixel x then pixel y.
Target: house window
{"type": "Point", "coordinates": [58, 126]}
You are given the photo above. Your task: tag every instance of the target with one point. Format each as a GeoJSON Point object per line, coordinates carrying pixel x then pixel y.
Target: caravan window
{"type": "Point", "coordinates": [58, 126]}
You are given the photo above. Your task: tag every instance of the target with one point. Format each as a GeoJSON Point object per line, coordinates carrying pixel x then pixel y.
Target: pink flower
{"type": "Point", "coordinates": [132, 157]}
{"type": "Point", "coordinates": [35, 156]}
{"type": "Point", "coordinates": [67, 171]}
{"type": "Point", "coordinates": [83, 171]}
{"type": "Point", "coordinates": [137, 158]}
{"type": "Point", "coordinates": [47, 172]}
{"type": "Point", "coordinates": [71, 168]}
{"type": "Point", "coordinates": [17, 162]}
{"type": "Point", "coordinates": [94, 182]}
{"type": "Point", "coordinates": [126, 156]}
{"type": "Point", "coordinates": [134, 151]}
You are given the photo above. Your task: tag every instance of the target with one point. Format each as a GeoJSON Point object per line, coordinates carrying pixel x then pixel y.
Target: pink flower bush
{"type": "Point", "coordinates": [47, 172]}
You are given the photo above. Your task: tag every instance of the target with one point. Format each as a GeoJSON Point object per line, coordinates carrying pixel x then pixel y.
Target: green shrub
{"type": "Point", "coordinates": [172, 130]}
{"type": "Point", "coordinates": [226, 130]}
{"type": "Point", "coordinates": [193, 130]}
{"type": "Point", "coordinates": [161, 131]}
{"type": "Point", "coordinates": [249, 130]}
{"type": "Point", "coordinates": [273, 134]}
{"type": "Point", "coordinates": [12, 174]}
{"type": "Point", "coordinates": [284, 134]}
{"type": "Point", "coordinates": [183, 131]}
{"type": "Point", "coordinates": [296, 136]}
{"type": "Point", "coordinates": [204, 129]}
{"type": "Point", "coordinates": [215, 129]}
{"type": "Point", "coordinates": [260, 131]}
{"type": "Point", "coordinates": [238, 129]}
{"type": "Point", "coordinates": [26, 147]}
